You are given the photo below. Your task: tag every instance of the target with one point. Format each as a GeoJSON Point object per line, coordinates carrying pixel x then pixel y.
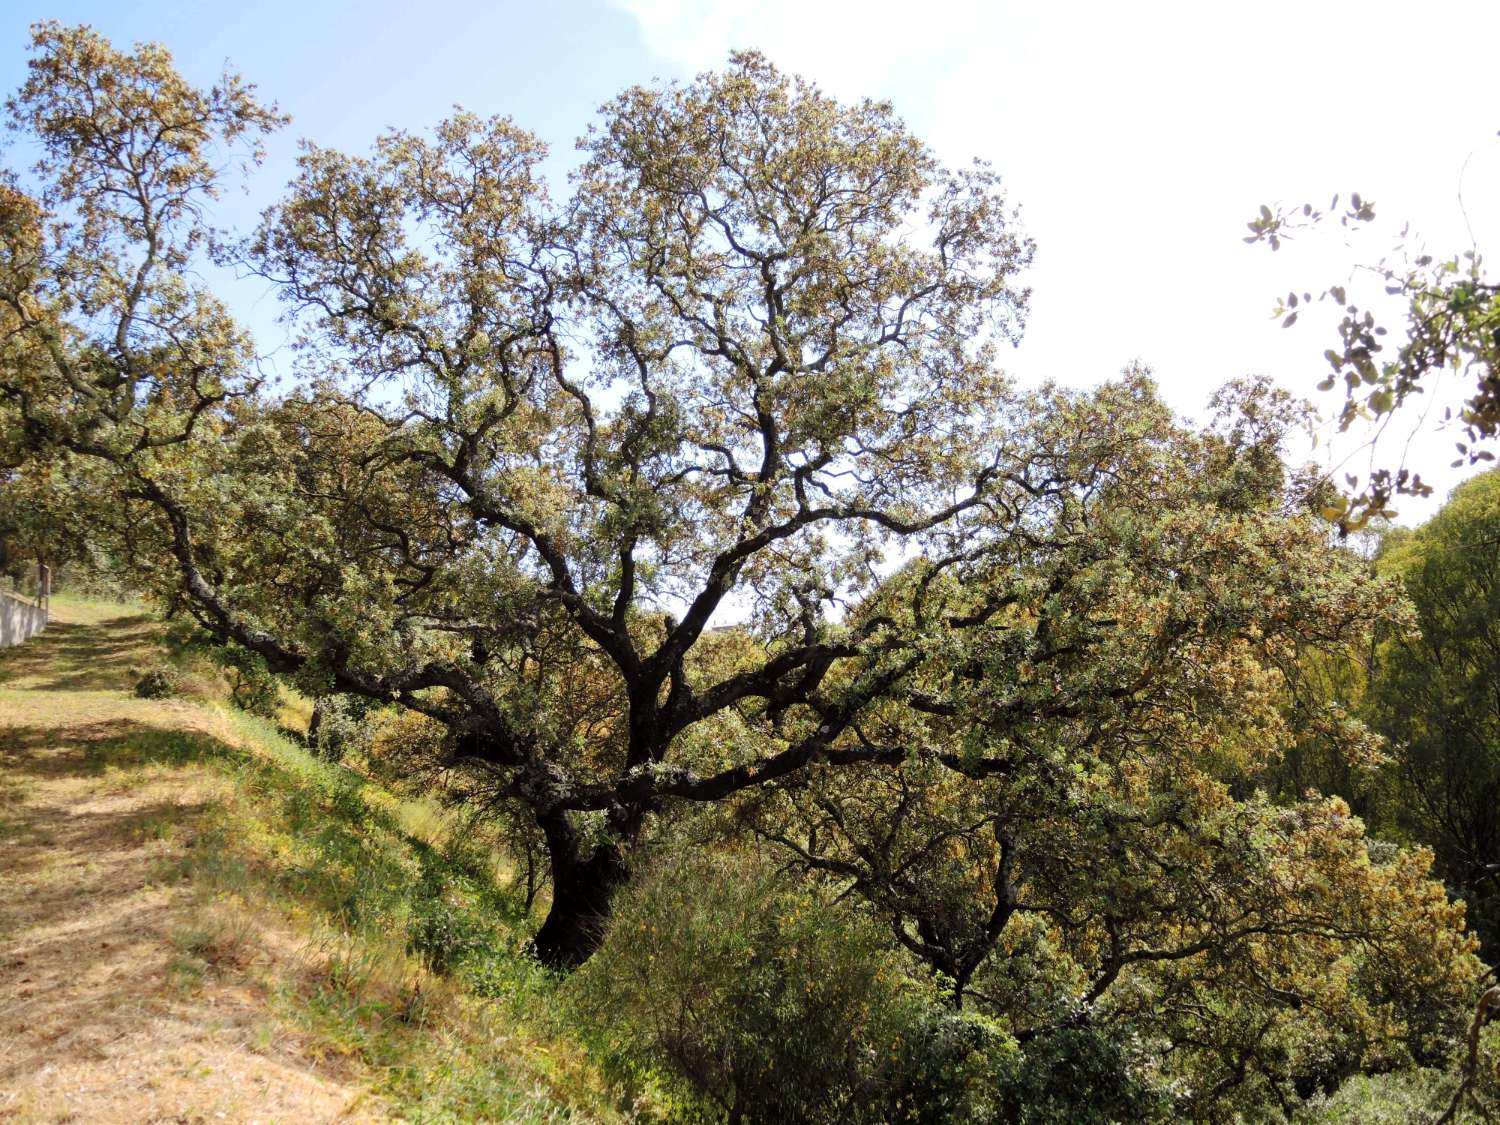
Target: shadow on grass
{"type": "Point", "coordinates": [101, 943]}
{"type": "Point", "coordinates": [105, 942]}
{"type": "Point", "coordinates": [356, 847]}
{"type": "Point", "coordinates": [73, 657]}
{"type": "Point", "coordinates": [85, 749]}
{"type": "Point", "coordinates": [93, 827]}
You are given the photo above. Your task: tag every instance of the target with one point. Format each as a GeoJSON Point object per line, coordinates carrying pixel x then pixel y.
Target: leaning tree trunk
{"type": "Point", "coordinates": [582, 884]}
{"type": "Point", "coordinates": [315, 725]}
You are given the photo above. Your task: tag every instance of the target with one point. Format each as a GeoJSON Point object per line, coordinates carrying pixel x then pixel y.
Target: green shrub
{"type": "Point", "coordinates": [160, 682]}
{"type": "Point", "coordinates": [1396, 1098]}
{"type": "Point", "coordinates": [947, 1068]}
{"type": "Point", "coordinates": [445, 931]}
{"type": "Point", "coordinates": [769, 1004]}
{"type": "Point", "coordinates": [340, 727]}
{"type": "Point", "coordinates": [254, 690]}
{"type": "Point", "coordinates": [1080, 1075]}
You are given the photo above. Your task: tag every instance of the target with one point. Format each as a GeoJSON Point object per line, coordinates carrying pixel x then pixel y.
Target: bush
{"type": "Point", "coordinates": [769, 1004]}
{"type": "Point", "coordinates": [1078, 1076]}
{"type": "Point", "coordinates": [444, 933]}
{"type": "Point", "coordinates": [254, 690]}
{"type": "Point", "coordinates": [159, 683]}
{"type": "Point", "coordinates": [1397, 1098]}
{"type": "Point", "coordinates": [947, 1069]}
{"type": "Point", "coordinates": [340, 727]}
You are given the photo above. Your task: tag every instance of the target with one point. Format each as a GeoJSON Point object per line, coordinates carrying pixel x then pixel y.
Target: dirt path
{"type": "Point", "coordinates": [117, 1004]}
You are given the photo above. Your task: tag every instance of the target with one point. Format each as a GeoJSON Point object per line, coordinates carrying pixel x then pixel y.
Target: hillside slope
{"type": "Point", "coordinates": [200, 923]}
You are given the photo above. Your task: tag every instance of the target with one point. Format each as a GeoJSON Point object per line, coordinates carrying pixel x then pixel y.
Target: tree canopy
{"type": "Point", "coordinates": [1434, 694]}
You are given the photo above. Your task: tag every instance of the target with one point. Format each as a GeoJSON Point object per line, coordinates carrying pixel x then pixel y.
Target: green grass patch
{"type": "Point", "coordinates": [414, 949]}
{"type": "Point", "coordinates": [380, 932]}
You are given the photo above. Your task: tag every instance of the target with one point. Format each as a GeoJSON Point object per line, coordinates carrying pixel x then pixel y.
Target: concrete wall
{"type": "Point", "coordinates": [19, 620]}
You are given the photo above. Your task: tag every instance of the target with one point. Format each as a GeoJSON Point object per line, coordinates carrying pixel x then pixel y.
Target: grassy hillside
{"type": "Point", "coordinates": [201, 922]}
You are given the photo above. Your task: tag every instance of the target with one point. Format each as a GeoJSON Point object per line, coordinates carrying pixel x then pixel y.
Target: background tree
{"type": "Point", "coordinates": [43, 521]}
{"type": "Point", "coordinates": [1436, 695]}
{"type": "Point", "coordinates": [1072, 843]}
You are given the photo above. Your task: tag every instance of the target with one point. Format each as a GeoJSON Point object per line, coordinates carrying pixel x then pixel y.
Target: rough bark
{"type": "Point", "coordinates": [584, 878]}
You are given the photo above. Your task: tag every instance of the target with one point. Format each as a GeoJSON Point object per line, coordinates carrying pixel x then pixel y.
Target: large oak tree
{"type": "Point", "coordinates": [751, 352]}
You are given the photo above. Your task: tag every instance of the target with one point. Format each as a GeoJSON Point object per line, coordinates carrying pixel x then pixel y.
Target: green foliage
{"type": "Point", "coordinates": [1452, 321]}
{"type": "Point", "coordinates": [341, 727]}
{"type": "Point", "coordinates": [447, 928]}
{"type": "Point", "coordinates": [1434, 695]}
{"type": "Point", "coordinates": [1081, 1074]}
{"type": "Point", "coordinates": [764, 1001]}
{"type": "Point", "coordinates": [951, 1066]}
{"type": "Point", "coordinates": [775, 1006]}
{"type": "Point", "coordinates": [159, 683]}
{"type": "Point", "coordinates": [788, 312]}
{"type": "Point", "coordinates": [47, 508]}
{"type": "Point", "coordinates": [1075, 808]}
{"type": "Point", "coordinates": [255, 691]}
{"type": "Point", "coordinates": [251, 686]}
{"type": "Point", "coordinates": [1396, 1098]}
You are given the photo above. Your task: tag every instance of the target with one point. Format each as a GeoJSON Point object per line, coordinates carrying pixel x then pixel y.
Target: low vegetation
{"type": "Point", "coordinates": [363, 946]}
{"type": "Point", "coordinates": [377, 945]}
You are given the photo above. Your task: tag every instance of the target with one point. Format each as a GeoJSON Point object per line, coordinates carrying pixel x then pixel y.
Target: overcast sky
{"type": "Point", "coordinates": [1137, 139]}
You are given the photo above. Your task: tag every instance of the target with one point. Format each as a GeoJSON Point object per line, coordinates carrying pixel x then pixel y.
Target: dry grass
{"type": "Point", "coordinates": [99, 1027]}
{"type": "Point", "coordinates": [167, 948]}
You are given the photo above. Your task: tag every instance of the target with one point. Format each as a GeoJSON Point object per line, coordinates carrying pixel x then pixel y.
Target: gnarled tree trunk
{"type": "Point", "coordinates": [583, 881]}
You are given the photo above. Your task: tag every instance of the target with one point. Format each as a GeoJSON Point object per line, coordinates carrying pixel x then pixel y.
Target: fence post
{"type": "Point", "coordinates": [44, 590]}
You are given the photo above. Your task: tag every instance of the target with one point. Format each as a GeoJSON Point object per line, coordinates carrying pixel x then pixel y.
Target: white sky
{"type": "Point", "coordinates": [1139, 138]}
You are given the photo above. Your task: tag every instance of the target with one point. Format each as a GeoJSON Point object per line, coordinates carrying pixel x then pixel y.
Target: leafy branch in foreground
{"type": "Point", "coordinates": [1451, 307]}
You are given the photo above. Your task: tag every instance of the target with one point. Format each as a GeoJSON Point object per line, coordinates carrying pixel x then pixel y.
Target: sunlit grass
{"type": "Point", "coordinates": [408, 952]}
{"type": "Point", "coordinates": [411, 950]}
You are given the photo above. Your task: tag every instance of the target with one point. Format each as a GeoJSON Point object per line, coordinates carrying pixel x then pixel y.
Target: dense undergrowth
{"type": "Point", "coordinates": [725, 990]}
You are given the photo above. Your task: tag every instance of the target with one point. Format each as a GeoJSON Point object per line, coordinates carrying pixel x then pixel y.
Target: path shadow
{"type": "Point", "coordinates": [67, 656]}
{"type": "Point", "coordinates": [107, 964]}
{"type": "Point", "coordinates": [34, 751]}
